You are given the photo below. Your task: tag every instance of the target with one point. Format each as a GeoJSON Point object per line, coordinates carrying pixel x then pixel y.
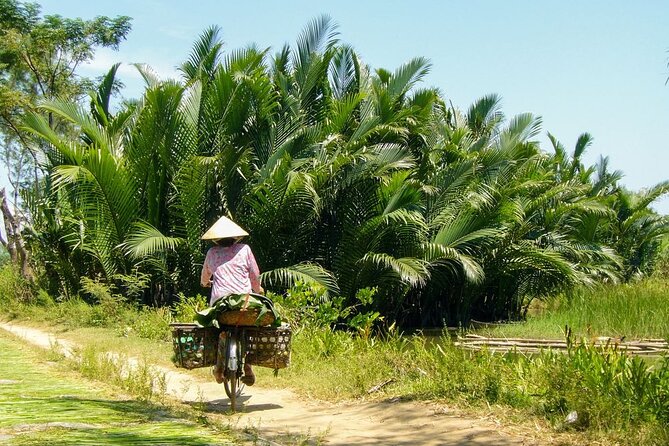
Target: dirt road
{"type": "Point", "coordinates": [280, 414]}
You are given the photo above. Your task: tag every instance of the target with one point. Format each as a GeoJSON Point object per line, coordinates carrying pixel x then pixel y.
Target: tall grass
{"type": "Point", "coordinates": [635, 310]}
{"type": "Point", "coordinates": [14, 290]}
{"type": "Point", "coordinates": [616, 398]}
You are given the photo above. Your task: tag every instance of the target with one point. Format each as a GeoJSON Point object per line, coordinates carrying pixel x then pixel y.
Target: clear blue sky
{"type": "Point", "coordinates": [596, 66]}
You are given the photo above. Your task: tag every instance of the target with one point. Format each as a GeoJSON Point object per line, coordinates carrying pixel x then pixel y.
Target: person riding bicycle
{"type": "Point", "coordinates": [229, 268]}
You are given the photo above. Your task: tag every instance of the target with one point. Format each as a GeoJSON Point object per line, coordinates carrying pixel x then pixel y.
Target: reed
{"type": "Point", "coordinates": [635, 311]}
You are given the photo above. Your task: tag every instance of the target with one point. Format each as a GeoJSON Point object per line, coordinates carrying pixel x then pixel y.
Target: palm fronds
{"type": "Point", "coordinates": [346, 177]}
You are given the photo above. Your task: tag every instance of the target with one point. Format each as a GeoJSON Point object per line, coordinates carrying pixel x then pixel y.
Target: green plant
{"type": "Point", "coordinates": [13, 288]}
{"type": "Point", "coordinates": [347, 179]}
{"type": "Point", "coordinates": [140, 379]}
{"type": "Point", "coordinates": [605, 388]}
{"type": "Point", "coordinates": [132, 286]}
{"type": "Point", "coordinates": [617, 398]}
{"type": "Point", "coordinates": [635, 310]}
{"type": "Point", "coordinates": [4, 256]}
{"type": "Point", "coordinates": [153, 323]}
{"type": "Point", "coordinates": [110, 309]}
{"type": "Point", "coordinates": [185, 307]}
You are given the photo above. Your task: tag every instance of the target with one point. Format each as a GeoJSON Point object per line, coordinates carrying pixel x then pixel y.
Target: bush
{"type": "Point", "coordinates": [605, 388]}
{"type": "Point", "coordinates": [185, 307]}
{"type": "Point", "coordinates": [152, 323]}
{"type": "Point", "coordinates": [14, 290]}
{"type": "Point", "coordinates": [111, 309]}
{"type": "Point", "coordinates": [309, 305]}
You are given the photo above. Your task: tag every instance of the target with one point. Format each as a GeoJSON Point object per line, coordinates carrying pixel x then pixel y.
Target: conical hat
{"type": "Point", "coordinates": [224, 228]}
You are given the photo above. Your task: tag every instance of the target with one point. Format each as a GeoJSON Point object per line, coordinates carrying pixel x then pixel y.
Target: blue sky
{"type": "Point", "coordinates": [596, 66]}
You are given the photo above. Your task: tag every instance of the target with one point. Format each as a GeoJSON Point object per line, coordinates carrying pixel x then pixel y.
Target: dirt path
{"type": "Point", "coordinates": [276, 413]}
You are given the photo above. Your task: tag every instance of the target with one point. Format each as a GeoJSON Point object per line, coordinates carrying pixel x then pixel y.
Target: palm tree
{"type": "Point", "coordinates": [346, 177]}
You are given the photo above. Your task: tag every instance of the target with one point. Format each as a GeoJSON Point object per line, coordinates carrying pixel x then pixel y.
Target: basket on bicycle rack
{"type": "Point", "coordinates": [194, 346]}
{"type": "Point", "coordinates": [245, 317]}
{"type": "Point", "coordinates": [268, 346]}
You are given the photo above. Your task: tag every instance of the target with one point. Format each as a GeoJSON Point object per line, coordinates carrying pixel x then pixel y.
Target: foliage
{"type": "Point", "coordinates": [109, 310]}
{"type": "Point", "coordinates": [309, 305]}
{"type": "Point", "coordinates": [151, 323]}
{"type": "Point", "coordinates": [38, 60]}
{"type": "Point", "coordinates": [210, 316]}
{"type": "Point", "coordinates": [39, 57]}
{"type": "Point", "coordinates": [347, 179]}
{"type": "Point", "coordinates": [14, 290]}
{"type": "Point", "coordinates": [4, 255]}
{"type": "Point", "coordinates": [617, 398]}
{"type": "Point", "coordinates": [636, 310]}
{"type": "Point", "coordinates": [604, 388]}
{"type": "Point", "coordinates": [185, 307]}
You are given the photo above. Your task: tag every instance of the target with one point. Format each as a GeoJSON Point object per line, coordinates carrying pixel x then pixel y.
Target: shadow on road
{"type": "Point", "coordinates": [223, 405]}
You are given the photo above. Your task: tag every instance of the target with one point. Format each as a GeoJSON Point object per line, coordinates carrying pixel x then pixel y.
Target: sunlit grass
{"type": "Point", "coordinates": [619, 400]}
{"type": "Point", "coordinates": [39, 404]}
{"type": "Point", "coordinates": [636, 311]}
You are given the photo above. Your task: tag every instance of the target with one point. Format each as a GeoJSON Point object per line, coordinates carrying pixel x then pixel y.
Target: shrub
{"type": "Point", "coordinates": [13, 288]}
{"type": "Point", "coordinates": [309, 305]}
{"type": "Point", "coordinates": [605, 387]}
{"type": "Point", "coordinates": [153, 323]}
{"type": "Point", "coordinates": [185, 307]}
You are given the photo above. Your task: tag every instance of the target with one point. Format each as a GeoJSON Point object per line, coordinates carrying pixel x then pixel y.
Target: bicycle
{"type": "Point", "coordinates": [231, 355]}
{"type": "Point", "coordinates": [230, 347]}
{"type": "Point", "coordinates": [238, 345]}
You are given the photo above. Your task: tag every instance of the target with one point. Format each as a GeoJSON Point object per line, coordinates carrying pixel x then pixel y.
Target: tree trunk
{"type": "Point", "coordinates": [14, 243]}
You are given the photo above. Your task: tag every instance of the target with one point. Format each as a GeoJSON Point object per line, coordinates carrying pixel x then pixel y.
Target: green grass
{"type": "Point", "coordinates": [156, 352]}
{"type": "Point", "coordinates": [636, 311]}
{"type": "Point", "coordinates": [619, 399]}
{"type": "Point", "coordinates": [40, 404]}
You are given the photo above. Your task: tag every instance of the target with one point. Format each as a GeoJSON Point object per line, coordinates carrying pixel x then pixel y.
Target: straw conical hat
{"type": "Point", "coordinates": [224, 228]}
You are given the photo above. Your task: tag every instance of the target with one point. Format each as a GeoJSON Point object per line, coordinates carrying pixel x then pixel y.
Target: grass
{"type": "Point", "coordinates": [617, 399]}
{"type": "Point", "coordinates": [635, 310]}
{"type": "Point", "coordinates": [106, 339]}
{"type": "Point", "coordinates": [42, 404]}
{"type": "Point", "coordinates": [140, 379]}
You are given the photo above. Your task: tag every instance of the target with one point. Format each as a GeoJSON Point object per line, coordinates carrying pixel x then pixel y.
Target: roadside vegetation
{"type": "Point", "coordinates": [638, 310]}
{"type": "Point", "coordinates": [617, 399]}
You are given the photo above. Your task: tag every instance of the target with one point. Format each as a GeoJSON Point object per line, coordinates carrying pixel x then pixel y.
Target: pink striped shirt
{"type": "Point", "coordinates": [234, 269]}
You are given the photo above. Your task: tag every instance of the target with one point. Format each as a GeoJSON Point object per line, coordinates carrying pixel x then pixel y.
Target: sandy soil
{"type": "Point", "coordinates": [278, 414]}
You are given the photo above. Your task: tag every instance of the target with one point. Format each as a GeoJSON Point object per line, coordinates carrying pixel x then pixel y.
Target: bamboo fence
{"type": "Point", "coordinates": [644, 347]}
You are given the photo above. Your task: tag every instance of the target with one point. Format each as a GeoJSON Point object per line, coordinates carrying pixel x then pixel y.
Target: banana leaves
{"type": "Point", "coordinates": [233, 302]}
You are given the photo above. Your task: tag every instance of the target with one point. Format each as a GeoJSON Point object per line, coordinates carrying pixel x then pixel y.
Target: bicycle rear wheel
{"type": "Point", "coordinates": [233, 370]}
{"type": "Point", "coordinates": [233, 388]}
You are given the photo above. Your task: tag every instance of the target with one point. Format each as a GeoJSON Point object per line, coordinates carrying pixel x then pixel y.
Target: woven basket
{"type": "Point", "coordinates": [194, 346]}
{"type": "Point", "coordinates": [245, 318]}
{"type": "Point", "coordinates": [268, 346]}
